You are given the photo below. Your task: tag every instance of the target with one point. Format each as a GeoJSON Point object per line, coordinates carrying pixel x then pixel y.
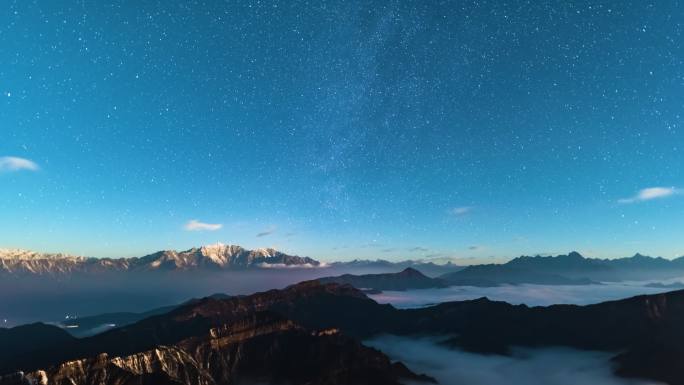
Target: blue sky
{"type": "Point", "coordinates": [383, 129]}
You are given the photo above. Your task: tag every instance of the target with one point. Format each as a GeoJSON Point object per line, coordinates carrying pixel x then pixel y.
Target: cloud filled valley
{"type": "Point", "coordinates": [528, 294]}
{"type": "Point", "coordinates": [549, 366]}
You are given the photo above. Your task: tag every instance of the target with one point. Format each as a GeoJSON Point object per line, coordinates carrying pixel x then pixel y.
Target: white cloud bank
{"type": "Point", "coordinates": [195, 225]}
{"type": "Point", "coordinates": [650, 193]}
{"type": "Point", "coordinates": [531, 295]}
{"type": "Point", "coordinates": [549, 366]}
{"type": "Point", "coordinates": [13, 163]}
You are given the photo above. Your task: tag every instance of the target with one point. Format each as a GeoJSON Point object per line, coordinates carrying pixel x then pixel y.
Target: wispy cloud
{"type": "Point", "coordinates": [419, 249]}
{"type": "Point", "coordinates": [651, 193]}
{"type": "Point", "coordinates": [195, 225]}
{"type": "Point", "coordinates": [460, 211]}
{"type": "Point", "coordinates": [435, 256]}
{"type": "Point", "coordinates": [369, 245]}
{"type": "Point", "coordinates": [13, 163]}
{"type": "Point", "coordinates": [266, 232]}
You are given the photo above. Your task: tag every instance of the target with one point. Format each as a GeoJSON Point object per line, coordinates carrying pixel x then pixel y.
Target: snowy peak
{"type": "Point", "coordinates": [220, 253]}
{"type": "Point", "coordinates": [220, 256]}
{"type": "Point", "coordinates": [28, 255]}
{"type": "Point", "coordinates": [210, 257]}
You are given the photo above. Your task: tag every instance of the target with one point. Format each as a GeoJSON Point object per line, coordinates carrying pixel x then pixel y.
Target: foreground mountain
{"type": "Point", "coordinates": [406, 279]}
{"type": "Point", "coordinates": [570, 269]}
{"type": "Point", "coordinates": [261, 347]}
{"type": "Point", "coordinates": [318, 323]}
{"type": "Point", "coordinates": [210, 341]}
{"type": "Point", "coordinates": [211, 257]}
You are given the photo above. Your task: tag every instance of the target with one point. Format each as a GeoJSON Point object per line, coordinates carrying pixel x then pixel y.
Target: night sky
{"type": "Point", "coordinates": [343, 129]}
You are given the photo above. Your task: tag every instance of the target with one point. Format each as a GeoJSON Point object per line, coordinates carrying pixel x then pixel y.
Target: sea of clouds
{"type": "Point", "coordinates": [549, 366]}
{"type": "Point", "coordinates": [531, 295]}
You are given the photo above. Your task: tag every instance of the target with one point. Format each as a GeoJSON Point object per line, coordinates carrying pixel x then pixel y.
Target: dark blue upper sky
{"type": "Point", "coordinates": [390, 129]}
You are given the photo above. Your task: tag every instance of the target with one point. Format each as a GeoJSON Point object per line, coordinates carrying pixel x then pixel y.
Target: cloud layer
{"type": "Point", "coordinates": [195, 225]}
{"type": "Point", "coordinates": [13, 163]}
{"type": "Point", "coordinates": [650, 193]}
{"type": "Point", "coordinates": [557, 366]}
{"type": "Point", "coordinates": [531, 295]}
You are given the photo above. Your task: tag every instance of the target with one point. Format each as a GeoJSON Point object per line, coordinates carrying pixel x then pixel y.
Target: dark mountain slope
{"type": "Point", "coordinates": [430, 269]}
{"type": "Point", "coordinates": [406, 279]}
{"type": "Point", "coordinates": [21, 342]}
{"type": "Point", "coordinates": [223, 339]}
{"type": "Point", "coordinates": [98, 323]}
{"type": "Point", "coordinates": [260, 348]}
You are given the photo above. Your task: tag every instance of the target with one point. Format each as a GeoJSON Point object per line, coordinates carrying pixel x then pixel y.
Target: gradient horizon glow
{"type": "Point", "coordinates": [385, 129]}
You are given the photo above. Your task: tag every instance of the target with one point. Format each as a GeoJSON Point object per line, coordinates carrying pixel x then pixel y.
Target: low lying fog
{"type": "Point", "coordinates": [526, 366]}
{"type": "Point", "coordinates": [532, 295]}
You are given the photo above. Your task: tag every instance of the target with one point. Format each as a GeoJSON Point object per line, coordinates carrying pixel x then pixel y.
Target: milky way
{"type": "Point", "coordinates": [343, 129]}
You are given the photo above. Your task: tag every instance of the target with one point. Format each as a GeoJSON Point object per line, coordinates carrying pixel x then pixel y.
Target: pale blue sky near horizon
{"type": "Point", "coordinates": [387, 129]}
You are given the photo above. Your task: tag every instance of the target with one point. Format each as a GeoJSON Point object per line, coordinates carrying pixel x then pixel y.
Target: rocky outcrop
{"type": "Point", "coordinates": [162, 365]}
{"type": "Point", "coordinates": [262, 348]}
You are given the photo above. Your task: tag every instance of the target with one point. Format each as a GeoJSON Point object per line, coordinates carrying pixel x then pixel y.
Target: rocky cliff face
{"type": "Point", "coordinates": [213, 341]}
{"type": "Point", "coordinates": [213, 257]}
{"type": "Point", "coordinates": [220, 256]}
{"type": "Point", "coordinates": [261, 348]}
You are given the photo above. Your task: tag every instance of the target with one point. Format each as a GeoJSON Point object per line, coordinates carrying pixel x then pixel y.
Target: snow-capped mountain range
{"type": "Point", "coordinates": [211, 257]}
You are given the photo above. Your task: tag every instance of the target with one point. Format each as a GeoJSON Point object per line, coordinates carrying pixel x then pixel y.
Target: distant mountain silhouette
{"type": "Point", "coordinates": [673, 285]}
{"type": "Point", "coordinates": [380, 265]}
{"type": "Point", "coordinates": [570, 269]}
{"type": "Point", "coordinates": [406, 279]}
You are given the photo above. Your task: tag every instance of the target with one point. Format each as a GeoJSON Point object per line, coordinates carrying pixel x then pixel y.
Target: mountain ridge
{"type": "Point", "coordinates": [259, 346]}
{"type": "Point", "coordinates": [210, 257]}
{"type": "Point", "coordinates": [566, 269]}
{"type": "Point", "coordinates": [409, 278]}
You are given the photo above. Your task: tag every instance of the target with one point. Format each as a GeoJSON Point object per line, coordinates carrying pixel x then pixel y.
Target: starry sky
{"type": "Point", "coordinates": [472, 130]}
